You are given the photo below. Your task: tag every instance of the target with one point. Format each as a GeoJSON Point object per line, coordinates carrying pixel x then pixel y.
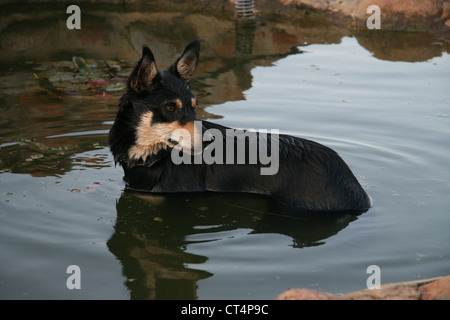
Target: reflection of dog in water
{"type": "Point", "coordinates": [157, 105]}
{"type": "Point", "coordinates": [152, 244]}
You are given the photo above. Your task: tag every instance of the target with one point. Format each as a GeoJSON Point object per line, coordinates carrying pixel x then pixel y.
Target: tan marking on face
{"type": "Point", "coordinates": [189, 127]}
{"type": "Point", "coordinates": [188, 136]}
{"type": "Point", "coordinates": [193, 102]}
{"type": "Point", "coordinates": [196, 138]}
{"type": "Point", "coordinates": [179, 103]}
{"type": "Point", "coordinates": [150, 139]}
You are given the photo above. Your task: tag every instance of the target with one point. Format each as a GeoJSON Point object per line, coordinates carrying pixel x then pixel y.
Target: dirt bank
{"type": "Point", "coordinates": [404, 15]}
{"type": "Point", "coordinates": [429, 289]}
{"type": "Point", "coordinates": [398, 15]}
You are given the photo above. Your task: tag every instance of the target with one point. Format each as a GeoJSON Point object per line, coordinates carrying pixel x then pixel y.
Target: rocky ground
{"type": "Point", "coordinates": [395, 15]}
{"type": "Point", "coordinates": [430, 289]}
{"type": "Point", "coordinates": [405, 15]}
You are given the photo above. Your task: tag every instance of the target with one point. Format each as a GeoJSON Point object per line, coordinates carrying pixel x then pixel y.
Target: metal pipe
{"type": "Point", "coordinates": [245, 9]}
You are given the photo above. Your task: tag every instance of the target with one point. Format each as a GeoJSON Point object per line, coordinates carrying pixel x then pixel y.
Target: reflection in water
{"type": "Point", "coordinates": [396, 46]}
{"type": "Point", "coordinates": [151, 232]}
{"type": "Point", "coordinates": [245, 35]}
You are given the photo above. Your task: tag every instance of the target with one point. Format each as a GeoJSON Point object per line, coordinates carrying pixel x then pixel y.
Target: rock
{"type": "Point", "coordinates": [429, 289]}
{"type": "Point", "coordinates": [407, 15]}
{"type": "Point", "coordinates": [305, 294]}
{"type": "Point", "coordinates": [395, 291]}
{"type": "Point", "coordinates": [404, 15]}
{"type": "Point", "coordinates": [436, 290]}
{"type": "Point", "coordinates": [345, 7]}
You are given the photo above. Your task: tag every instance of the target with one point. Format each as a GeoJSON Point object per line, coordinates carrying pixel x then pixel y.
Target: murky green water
{"type": "Point", "coordinates": [381, 100]}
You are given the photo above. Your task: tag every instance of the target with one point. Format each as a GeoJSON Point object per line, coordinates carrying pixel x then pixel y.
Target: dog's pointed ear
{"type": "Point", "coordinates": [185, 65]}
{"type": "Point", "coordinates": [145, 74]}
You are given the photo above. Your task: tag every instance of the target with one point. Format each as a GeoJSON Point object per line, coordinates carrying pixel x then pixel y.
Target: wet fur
{"type": "Point", "coordinates": [311, 176]}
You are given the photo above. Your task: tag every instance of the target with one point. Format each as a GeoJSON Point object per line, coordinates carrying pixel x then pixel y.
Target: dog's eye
{"type": "Point", "coordinates": [170, 108]}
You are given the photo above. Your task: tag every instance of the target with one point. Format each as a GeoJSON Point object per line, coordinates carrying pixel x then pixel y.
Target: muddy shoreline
{"type": "Point", "coordinates": [395, 15]}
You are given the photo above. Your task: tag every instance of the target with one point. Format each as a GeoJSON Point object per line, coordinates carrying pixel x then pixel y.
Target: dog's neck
{"type": "Point", "coordinates": [147, 162]}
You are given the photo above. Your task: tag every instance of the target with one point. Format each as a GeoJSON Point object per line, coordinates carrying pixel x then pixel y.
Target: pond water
{"type": "Point", "coordinates": [381, 100]}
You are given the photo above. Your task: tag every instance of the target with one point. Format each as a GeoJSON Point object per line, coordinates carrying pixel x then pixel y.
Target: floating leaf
{"type": "Point", "coordinates": [98, 82]}
{"type": "Point", "coordinates": [119, 86]}
{"type": "Point", "coordinates": [113, 68]}
{"type": "Point", "coordinates": [86, 77]}
{"type": "Point", "coordinates": [80, 64]}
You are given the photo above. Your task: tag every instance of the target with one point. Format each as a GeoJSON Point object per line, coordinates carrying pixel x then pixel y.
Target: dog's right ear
{"type": "Point", "coordinates": [145, 75]}
{"type": "Point", "coordinates": [185, 65]}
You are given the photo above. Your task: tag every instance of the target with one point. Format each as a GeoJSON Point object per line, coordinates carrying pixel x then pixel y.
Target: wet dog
{"type": "Point", "coordinates": [162, 148]}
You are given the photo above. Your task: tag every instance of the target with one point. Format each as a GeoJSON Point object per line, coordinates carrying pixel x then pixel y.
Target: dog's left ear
{"type": "Point", "coordinates": [145, 74]}
{"type": "Point", "coordinates": [185, 65]}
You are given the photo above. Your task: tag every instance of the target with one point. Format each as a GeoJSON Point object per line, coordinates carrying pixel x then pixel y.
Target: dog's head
{"type": "Point", "coordinates": [158, 110]}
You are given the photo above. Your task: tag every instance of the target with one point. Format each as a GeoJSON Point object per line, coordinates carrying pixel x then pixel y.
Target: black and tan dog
{"type": "Point", "coordinates": [308, 175]}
